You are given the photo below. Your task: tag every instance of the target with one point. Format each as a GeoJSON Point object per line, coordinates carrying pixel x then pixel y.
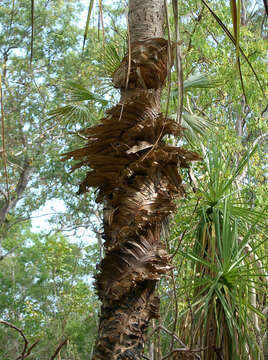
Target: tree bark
{"type": "Point", "coordinates": [145, 19]}
{"type": "Point", "coordinates": [137, 176]}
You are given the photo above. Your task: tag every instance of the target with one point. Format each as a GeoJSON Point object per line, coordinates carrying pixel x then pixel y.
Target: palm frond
{"type": "Point", "coordinates": [77, 92]}
{"type": "Point", "coordinates": [201, 81]}
{"type": "Point", "coordinates": [110, 60]}
{"type": "Point", "coordinates": [78, 105]}
{"type": "Point", "coordinates": [79, 112]}
{"type": "Point", "coordinates": [195, 125]}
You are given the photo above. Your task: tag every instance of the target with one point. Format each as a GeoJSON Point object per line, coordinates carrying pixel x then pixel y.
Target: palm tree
{"type": "Point", "coordinates": [136, 174]}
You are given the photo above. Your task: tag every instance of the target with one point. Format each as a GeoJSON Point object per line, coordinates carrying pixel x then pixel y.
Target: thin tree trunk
{"type": "Point", "coordinates": [20, 188]}
{"type": "Point", "coordinates": [137, 177]}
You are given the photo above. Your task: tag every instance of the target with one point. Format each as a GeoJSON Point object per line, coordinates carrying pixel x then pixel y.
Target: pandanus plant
{"type": "Point", "coordinates": [228, 269]}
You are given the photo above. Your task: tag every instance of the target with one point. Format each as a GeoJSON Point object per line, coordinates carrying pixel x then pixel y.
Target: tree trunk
{"type": "Point", "coordinates": [20, 188]}
{"type": "Point", "coordinates": [136, 174]}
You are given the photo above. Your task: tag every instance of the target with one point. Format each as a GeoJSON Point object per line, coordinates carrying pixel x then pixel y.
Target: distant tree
{"type": "Point", "coordinates": [46, 292]}
{"type": "Point", "coordinates": [31, 85]}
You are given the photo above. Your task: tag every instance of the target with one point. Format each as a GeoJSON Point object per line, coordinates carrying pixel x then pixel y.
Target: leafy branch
{"type": "Point", "coordinates": [26, 351]}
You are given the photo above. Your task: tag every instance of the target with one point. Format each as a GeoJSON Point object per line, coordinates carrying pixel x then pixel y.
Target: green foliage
{"type": "Point", "coordinates": [222, 263]}
{"type": "Point", "coordinates": [111, 59]}
{"type": "Point", "coordinates": [34, 140]}
{"type": "Point", "coordinates": [201, 81]}
{"type": "Point", "coordinates": [46, 291]}
{"type": "Point", "coordinates": [226, 277]}
{"type": "Point", "coordinates": [195, 126]}
{"type": "Point", "coordinates": [79, 104]}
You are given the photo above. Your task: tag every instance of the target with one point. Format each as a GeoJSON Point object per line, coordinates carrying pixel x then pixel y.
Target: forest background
{"type": "Point", "coordinates": [55, 82]}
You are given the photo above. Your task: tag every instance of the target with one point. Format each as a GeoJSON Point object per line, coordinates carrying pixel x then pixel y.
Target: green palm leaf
{"type": "Point", "coordinates": [78, 103]}
{"type": "Point", "coordinates": [77, 111]}
{"type": "Point", "coordinates": [110, 60]}
{"type": "Point", "coordinates": [195, 125]}
{"type": "Point", "coordinates": [201, 81]}
{"type": "Point", "coordinates": [77, 92]}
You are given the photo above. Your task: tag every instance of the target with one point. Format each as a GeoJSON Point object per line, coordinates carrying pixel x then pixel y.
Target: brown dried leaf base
{"type": "Point", "coordinates": [123, 324]}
